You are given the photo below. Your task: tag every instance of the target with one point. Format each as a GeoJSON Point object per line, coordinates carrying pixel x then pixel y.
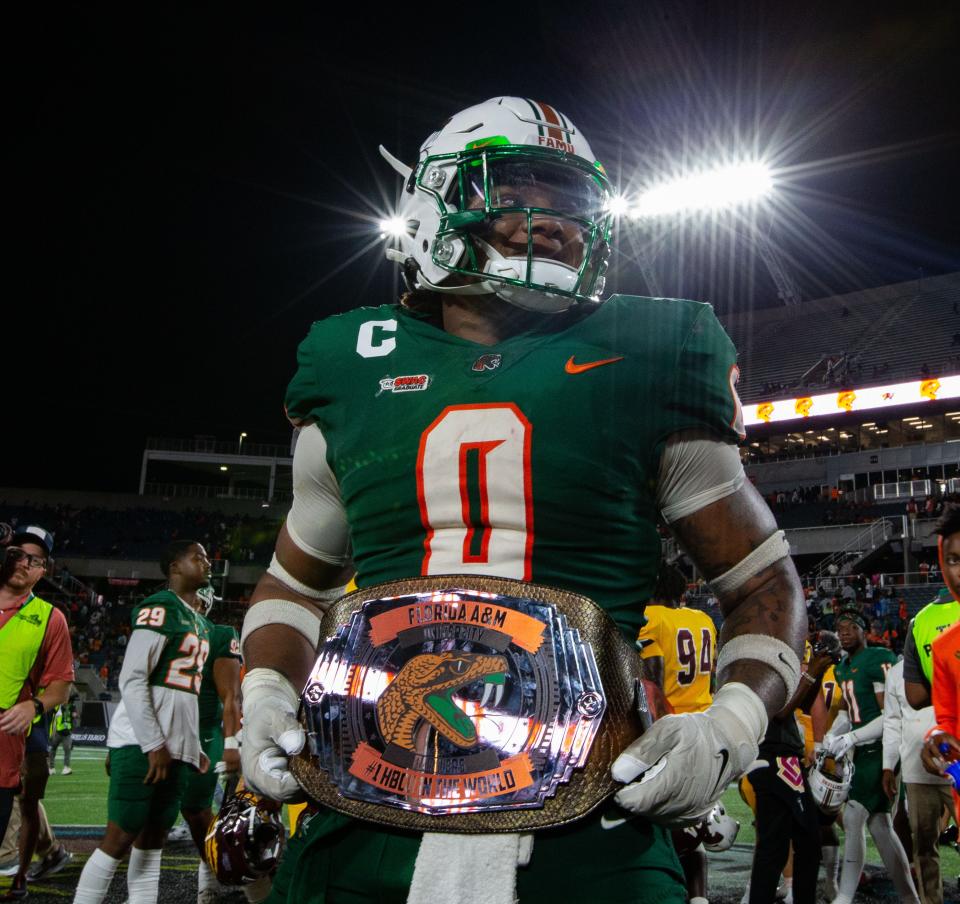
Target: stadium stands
{"type": "Point", "coordinates": [885, 335]}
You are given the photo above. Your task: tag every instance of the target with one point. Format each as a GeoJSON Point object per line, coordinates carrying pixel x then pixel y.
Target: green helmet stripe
{"type": "Point", "coordinates": [537, 115]}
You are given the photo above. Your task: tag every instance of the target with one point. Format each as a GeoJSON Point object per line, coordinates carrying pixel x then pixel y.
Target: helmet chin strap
{"type": "Point", "coordinates": [493, 287]}
{"type": "Point", "coordinates": [477, 288]}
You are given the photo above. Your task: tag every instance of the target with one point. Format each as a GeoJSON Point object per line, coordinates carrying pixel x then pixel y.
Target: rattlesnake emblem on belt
{"type": "Point", "coordinates": [457, 703]}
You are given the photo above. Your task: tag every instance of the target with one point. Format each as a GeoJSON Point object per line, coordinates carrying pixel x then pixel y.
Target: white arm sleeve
{"type": "Point", "coordinates": [870, 732]}
{"type": "Point", "coordinates": [892, 722]}
{"type": "Point", "coordinates": [317, 522]}
{"type": "Point", "coordinates": [696, 469]}
{"type": "Point", "coordinates": [143, 653]}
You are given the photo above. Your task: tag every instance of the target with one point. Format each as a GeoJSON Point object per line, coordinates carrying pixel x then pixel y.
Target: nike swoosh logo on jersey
{"type": "Point", "coordinates": [571, 367]}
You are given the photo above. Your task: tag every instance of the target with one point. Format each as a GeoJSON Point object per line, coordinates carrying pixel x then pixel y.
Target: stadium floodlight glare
{"type": "Point", "coordinates": [393, 227]}
{"type": "Point", "coordinates": [618, 205]}
{"type": "Point", "coordinates": [714, 189]}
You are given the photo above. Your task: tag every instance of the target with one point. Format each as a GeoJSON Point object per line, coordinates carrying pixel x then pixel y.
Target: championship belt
{"type": "Point", "coordinates": [468, 704]}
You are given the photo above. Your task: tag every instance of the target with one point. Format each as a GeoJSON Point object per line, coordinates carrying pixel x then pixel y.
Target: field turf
{"type": "Point", "coordinates": [77, 805]}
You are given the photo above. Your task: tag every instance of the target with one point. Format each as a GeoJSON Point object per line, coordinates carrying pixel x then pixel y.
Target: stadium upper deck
{"type": "Point", "coordinates": [884, 335]}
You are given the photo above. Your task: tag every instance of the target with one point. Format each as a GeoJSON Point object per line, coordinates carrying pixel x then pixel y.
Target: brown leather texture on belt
{"type": "Point", "coordinates": [620, 668]}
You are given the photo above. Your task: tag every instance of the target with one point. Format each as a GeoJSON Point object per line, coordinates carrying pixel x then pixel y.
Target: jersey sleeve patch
{"type": "Point", "coordinates": [150, 617]}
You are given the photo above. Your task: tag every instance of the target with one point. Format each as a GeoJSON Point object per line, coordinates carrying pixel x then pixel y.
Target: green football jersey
{"type": "Point", "coordinates": [224, 644]}
{"type": "Point", "coordinates": [534, 459]}
{"type": "Point", "coordinates": [188, 642]}
{"type": "Point", "coordinates": [857, 676]}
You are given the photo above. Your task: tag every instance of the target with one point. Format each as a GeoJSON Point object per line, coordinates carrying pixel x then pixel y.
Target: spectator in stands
{"type": "Point", "coordinates": [924, 569]}
{"type": "Point", "coordinates": [912, 509]}
{"type": "Point", "coordinates": [848, 595]}
{"type": "Point", "coordinates": [38, 670]}
{"type": "Point", "coordinates": [878, 636]}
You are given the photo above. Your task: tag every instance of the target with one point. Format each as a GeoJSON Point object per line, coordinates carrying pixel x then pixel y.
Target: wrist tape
{"type": "Point", "coordinates": [769, 650]}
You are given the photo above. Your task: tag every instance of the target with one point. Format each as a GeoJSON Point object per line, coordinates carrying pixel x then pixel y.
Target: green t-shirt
{"type": "Point", "coordinates": [857, 677]}
{"type": "Point", "coordinates": [188, 644]}
{"type": "Point", "coordinates": [224, 644]}
{"type": "Point", "coordinates": [534, 459]}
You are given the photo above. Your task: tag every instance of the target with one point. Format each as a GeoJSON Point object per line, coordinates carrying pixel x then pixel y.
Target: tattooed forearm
{"type": "Point", "coordinates": [763, 609]}
{"type": "Point", "coordinates": [772, 604]}
{"type": "Point", "coordinates": [720, 536]}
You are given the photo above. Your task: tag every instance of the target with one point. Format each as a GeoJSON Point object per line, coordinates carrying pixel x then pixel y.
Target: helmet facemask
{"type": "Point", "coordinates": [531, 225]}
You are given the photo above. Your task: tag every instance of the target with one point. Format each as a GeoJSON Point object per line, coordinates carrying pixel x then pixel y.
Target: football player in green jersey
{"type": "Point", "coordinates": [859, 727]}
{"type": "Point", "coordinates": [219, 711]}
{"type": "Point", "coordinates": [154, 739]}
{"type": "Point", "coordinates": [503, 420]}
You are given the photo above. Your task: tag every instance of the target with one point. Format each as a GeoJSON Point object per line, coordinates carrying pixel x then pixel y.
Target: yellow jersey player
{"type": "Point", "coordinates": [677, 645]}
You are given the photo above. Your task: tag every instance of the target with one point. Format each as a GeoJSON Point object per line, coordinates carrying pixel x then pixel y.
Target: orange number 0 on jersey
{"type": "Point", "coordinates": [475, 492]}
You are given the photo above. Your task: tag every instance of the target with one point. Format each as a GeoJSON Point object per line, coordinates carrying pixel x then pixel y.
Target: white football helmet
{"type": "Point", "coordinates": [509, 171]}
{"type": "Point", "coordinates": [720, 831]}
{"type": "Point", "coordinates": [716, 833]}
{"type": "Point", "coordinates": [830, 779]}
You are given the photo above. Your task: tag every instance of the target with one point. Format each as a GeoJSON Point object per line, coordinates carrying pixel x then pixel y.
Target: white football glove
{"type": "Point", "coordinates": [688, 760]}
{"type": "Point", "coordinates": [838, 745]}
{"type": "Point", "coordinates": [271, 733]}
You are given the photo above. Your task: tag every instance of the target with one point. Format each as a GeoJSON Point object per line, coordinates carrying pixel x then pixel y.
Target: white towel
{"type": "Point", "coordinates": [469, 869]}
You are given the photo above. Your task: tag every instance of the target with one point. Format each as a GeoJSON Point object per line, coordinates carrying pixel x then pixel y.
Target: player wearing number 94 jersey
{"type": "Point", "coordinates": [504, 420]}
{"type": "Point", "coordinates": [154, 737]}
{"type": "Point", "coordinates": [677, 643]}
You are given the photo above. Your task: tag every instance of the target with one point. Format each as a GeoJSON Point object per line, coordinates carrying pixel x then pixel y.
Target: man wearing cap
{"type": "Point", "coordinates": [36, 670]}
{"type": "Point", "coordinates": [859, 727]}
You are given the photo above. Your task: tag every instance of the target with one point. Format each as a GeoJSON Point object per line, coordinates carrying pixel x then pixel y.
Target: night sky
{"type": "Point", "coordinates": [187, 192]}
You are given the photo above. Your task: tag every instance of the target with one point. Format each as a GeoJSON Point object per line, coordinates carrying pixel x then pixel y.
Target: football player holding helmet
{"type": "Point", "coordinates": [830, 778]}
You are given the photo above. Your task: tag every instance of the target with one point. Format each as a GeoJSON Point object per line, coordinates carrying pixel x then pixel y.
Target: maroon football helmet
{"type": "Point", "coordinates": [245, 839]}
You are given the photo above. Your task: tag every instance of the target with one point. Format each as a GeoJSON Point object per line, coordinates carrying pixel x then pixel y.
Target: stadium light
{"type": "Point", "coordinates": [618, 205]}
{"type": "Point", "coordinates": [394, 227]}
{"type": "Point", "coordinates": [726, 186]}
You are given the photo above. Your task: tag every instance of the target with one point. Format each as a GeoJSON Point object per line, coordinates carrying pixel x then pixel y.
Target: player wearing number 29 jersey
{"type": "Point", "coordinates": [154, 737]}
{"type": "Point", "coordinates": [177, 640]}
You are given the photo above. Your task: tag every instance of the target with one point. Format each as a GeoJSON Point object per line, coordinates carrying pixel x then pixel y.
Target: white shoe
{"type": "Point", "coordinates": [52, 770]}
{"type": "Point", "coordinates": [10, 868]}
{"type": "Point", "coordinates": [207, 896]}
{"type": "Point", "coordinates": [66, 771]}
